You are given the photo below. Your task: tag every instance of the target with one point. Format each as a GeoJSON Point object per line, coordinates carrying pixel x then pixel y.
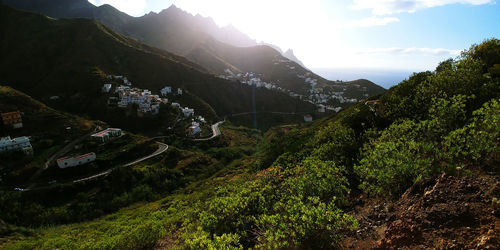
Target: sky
{"type": "Point", "coordinates": [412, 35]}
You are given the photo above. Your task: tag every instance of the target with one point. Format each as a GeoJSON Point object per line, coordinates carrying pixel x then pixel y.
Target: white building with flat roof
{"type": "Point", "coordinates": [188, 112]}
{"type": "Point", "coordinates": [165, 91]}
{"type": "Point", "coordinates": [107, 134]}
{"type": "Point", "coordinates": [194, 128]}
{"type": "Point", "coordinates": [17, 144]}
{"type": "Point", "coordinates": [67, 162]}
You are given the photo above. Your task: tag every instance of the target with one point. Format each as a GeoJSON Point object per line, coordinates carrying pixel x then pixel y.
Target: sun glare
{"type": "Point", "coordinates": [288, 24]}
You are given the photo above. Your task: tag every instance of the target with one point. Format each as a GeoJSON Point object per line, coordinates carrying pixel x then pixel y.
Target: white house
{"type": "Point", "coordinates": [165, 91]}
{"type": "Point", "coordinates": [107, 134]}
{"type": "Point", "coordinates": [126, 81]}
{"type": "Point", "coordinates": [321, 108]}
{"type": "Point", "coordinates": [308, 118]}
{"type": "Point", "coordinates": [19, 143]}
{"type": "Point", "coordinates": [155, 109]}
{"type": "Point", "coordinates": [106, 88]}
{"type": "Point", "coordinates": [179, 91]}
{"type": "Point", "coordinates": [67, 162]}
{"type": "Point", "coordinates": [187, 112]}
{"type": "Point", "coordinates": [194, 129]}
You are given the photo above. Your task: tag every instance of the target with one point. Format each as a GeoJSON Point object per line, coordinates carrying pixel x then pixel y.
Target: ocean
{"type": "Point", "coordinates": [383, 77]}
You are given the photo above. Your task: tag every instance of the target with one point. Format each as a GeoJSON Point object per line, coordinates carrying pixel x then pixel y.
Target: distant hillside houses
{"type": "Point", "coordinates": [17, 144]}
{"type": "Point", "coordinates": [316, 95]}
{"type": "Point", "coordinates": [123, 79]}
{"type": "Point", "coordinates": [126, 95]}
{"type": "Point", "coordinates": [12, 119]}
{"type": "Point", "coordinates": [165, 91]}
{"type": "Point", "coordinates": [106, 88]}
{"type": "Point", "coordinates": [188, 112]}
{"type": "Point", "coordinates": [250, 78]}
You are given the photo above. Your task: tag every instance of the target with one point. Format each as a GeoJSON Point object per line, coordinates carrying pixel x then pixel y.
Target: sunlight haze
{"type": "Point", "coordinates": [361, 34]}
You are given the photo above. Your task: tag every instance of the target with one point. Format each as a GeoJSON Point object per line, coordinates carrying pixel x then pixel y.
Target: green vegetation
{"type": "Point", "coordinates": [47, 128]}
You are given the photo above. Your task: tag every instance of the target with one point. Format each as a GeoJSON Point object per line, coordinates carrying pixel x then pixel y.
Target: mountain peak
{"type": "Point", "coordinates": [289, 54]}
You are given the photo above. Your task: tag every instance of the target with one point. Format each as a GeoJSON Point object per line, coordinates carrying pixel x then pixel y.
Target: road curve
{"type": "Point", "coordinates": [59, 153]}
{"type": "Point", "coordinates": [215, 132]}
{"type": "Point", "coordinates": [162, 147]}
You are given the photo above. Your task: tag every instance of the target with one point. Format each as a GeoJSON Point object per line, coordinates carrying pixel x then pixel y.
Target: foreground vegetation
{"type": "Point", "coordinates": [294, 191]}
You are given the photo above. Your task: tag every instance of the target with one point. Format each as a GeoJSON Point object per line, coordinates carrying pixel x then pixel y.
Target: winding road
{"type": "Point", "coordinates": [268, 112]}
{"type": "Point", "coordinates": [162, 147]}
{"type": "Point", "coordinates": [215, 132]}
{"type": "Point", "coordinates": [58, 154]}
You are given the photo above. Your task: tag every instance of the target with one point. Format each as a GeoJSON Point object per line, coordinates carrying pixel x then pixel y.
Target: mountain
{"type": "Point", "coordinates": [200, 40]}
{"type": "Point", "coordinates": [289, 54]}
{"type": "Point", "coordinates": [71, 58]}
{"type": "Point", "coordinates": [74, 9]}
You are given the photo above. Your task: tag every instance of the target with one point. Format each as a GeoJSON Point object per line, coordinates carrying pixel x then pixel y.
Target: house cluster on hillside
{"type": "Point", "coordinates": [23, 144]}
{"type": "Point", "coordinates": [7, 144]}
{"type": "Point", "coordinates": [317, 96]}
{"type": "Point", "coordinates": [147, 102]}
{"type": "Point", "coordinates": [124, 95]}
{"type": "Point", "coordinates": [12, 119]}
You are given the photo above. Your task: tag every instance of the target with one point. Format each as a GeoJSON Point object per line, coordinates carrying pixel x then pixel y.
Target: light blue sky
{"type": "Point", "coordinates": [412, 35]}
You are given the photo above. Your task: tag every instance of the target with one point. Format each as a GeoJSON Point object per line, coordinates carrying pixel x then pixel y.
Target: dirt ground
{"type": "Point", "coordinates": [444, 212]}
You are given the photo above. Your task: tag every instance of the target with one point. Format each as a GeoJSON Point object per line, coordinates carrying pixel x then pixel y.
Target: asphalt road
{"type": "Point", "coordinates": [161, 149]}
{"type": "Point", "coordinates": [215, 132]}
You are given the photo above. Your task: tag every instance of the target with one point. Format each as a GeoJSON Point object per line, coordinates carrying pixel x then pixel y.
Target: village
{"type": "Point", "coordinates": [122, 95]}
{"type": "Point", "coordinates": [87, 149]}
{"type": "Point", "coordinates": [321, 97]}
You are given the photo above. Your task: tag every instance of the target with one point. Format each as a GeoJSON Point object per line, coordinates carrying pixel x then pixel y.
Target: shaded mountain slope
{"type": "Point", "coordinates": [70, 58]}
{"type": "Point", "coordinates": [197, 38]}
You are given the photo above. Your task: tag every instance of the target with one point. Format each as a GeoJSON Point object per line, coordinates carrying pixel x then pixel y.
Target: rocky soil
{"type": "Point", "coordinates": [445, 212]}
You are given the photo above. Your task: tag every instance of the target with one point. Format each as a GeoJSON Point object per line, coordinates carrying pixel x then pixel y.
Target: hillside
{"type": "Point", "coordinates": [46, 127]}
{"type": "Point", "coordinates": [415, 168]}
{"type": "Point", "coordinates": [200, 40]}
{"type": "Point", "coordinates": [70, 58]}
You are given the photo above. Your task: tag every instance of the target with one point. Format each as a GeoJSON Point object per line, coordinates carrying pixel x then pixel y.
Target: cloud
{"type": "Point", "coordinates": [131, 7]}
{"type": "Point", "coordinates": [373, 21]}
{"type": "Point", "coordinates": [412, 51]}
{"type": "Point", "coordinates": [388, 7]}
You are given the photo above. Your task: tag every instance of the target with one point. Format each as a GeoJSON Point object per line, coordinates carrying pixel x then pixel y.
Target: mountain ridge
{"type": "Point", "coordinates": [177, 31]}
{"type": "Point", "coordinates": [42, 55]}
